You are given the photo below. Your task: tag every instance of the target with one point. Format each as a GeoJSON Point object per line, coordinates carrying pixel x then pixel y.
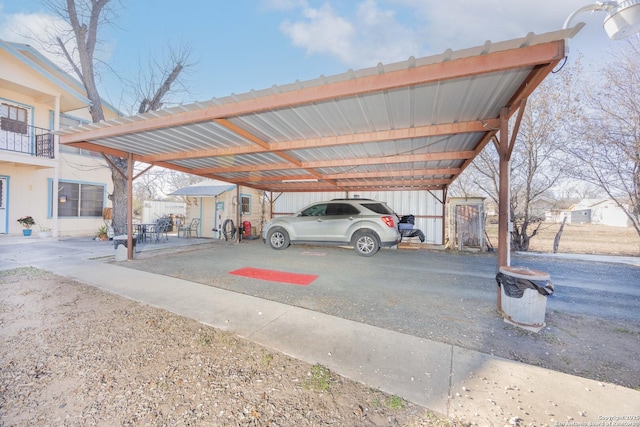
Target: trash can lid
{"type": "Point", "coordinates": [524, 273]}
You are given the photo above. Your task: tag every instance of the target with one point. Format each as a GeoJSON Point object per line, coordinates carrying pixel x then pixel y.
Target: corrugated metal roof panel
{"type": "Point", "coordinates": [203, 191]}
{"type": "Point", "coordinates": [392, 117]}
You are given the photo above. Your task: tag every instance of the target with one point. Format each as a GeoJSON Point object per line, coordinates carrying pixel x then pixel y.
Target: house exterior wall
{"type": "Point", "coordinates": [26, 187]}
{"type": "Point", "coordinates": [27, 192]}
{"type": "Point", "coordinates": [30, 178]}
{"type": "Point", "coordinates": [26, 83]}
{"type": "Point", "coordinates": [31, 193]}
{"type": "Point", "coordinates": [601, 212]}
{"type": "Point", "coordinates": [580, 216]}
{"type": "Point", "coordinates": [38, 114]}
{"type": "Point", "coordinates": [210, 219]}
{"type": "Point", "coordinates": [608, 213]}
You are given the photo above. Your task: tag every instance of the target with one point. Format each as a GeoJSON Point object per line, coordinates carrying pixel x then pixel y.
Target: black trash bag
{"type": "Point", "coordinates": [514, 286]}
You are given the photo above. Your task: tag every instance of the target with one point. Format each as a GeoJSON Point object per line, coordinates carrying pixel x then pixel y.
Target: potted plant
{"type": "Point", "coordinates": [44, 231]}
{"type": "Point", "coordinates": [27, 222]}
{"type": "Point", "coordinates": [102, 233]}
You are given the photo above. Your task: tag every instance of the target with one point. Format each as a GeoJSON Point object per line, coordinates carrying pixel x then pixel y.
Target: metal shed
{"type": "Point", "coordinates": [217, 202]}
{"type": "Point", "coordinates": [465, 223]}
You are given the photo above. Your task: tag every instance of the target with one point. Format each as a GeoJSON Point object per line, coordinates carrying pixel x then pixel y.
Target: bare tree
{"type": "Point", "coordinates": [159, 183]}
{"type": "Point", "coordinates": [464, 185]}
{"type": "Point", "coordinates": [79, 46]}
{"type": "Point", "coordinates": [175, 180]}
{"type": "Point", "coordinates": [606, 143]}
{"type": "Point", "coordinates": [154, 86]}
{"type": "Point", "coordinates": [149, 185]}
{"type": "Point", "coordinates": [536, 162]}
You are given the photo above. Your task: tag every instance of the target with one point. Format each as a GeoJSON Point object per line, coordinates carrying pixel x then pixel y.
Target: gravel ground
{"type": "Point", "coordinates": [72, 355]}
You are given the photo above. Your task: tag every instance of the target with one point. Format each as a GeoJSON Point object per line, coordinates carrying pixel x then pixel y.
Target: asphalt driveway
{"type": "Point", "coordinates": [405, 290]}
{"type": "Point", "coordinates": [593, 321]}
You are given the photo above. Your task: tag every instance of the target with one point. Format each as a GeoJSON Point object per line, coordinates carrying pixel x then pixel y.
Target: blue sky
{"type": "Point", "coordinates": [242, 45]}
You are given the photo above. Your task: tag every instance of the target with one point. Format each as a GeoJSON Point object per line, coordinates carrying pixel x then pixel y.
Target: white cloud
{"type": "Point", "coordinates": [36, 29]}
{"type": "Point", "coordinates": [284, 4]}
{"type": "Point", "coordinates": [40, 30]}
{"type": "Point", "coordinates": [382, 38]}
{"type": "Point", "coordinates": [370, 36]}
{"type": "Point", "coordinates": [322, 31]}
{"type": "Point", "coordinates": [459, 24]}
{"type": "Point", "coordinates": [392, 30]}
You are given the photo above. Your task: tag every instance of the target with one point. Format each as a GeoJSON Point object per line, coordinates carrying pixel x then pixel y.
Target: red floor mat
{"type": "Point", "coordinates": [275, 276]}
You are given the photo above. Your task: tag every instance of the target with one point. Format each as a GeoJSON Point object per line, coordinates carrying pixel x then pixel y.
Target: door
{"type": "Point", "coordinates": [309, 225]}
{"type": "Point", "coordinates": [3, 205]}
{"type": "Point", "coordinates": [338, 221]}
{"type": "Point", "coordinates": [469, 231]}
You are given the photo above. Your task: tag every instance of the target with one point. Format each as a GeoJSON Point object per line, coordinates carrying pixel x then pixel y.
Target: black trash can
{"type": "Point", "coordinates": [523, 296]}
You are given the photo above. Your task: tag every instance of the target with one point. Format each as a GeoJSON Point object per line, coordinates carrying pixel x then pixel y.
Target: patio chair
{"type": "Point", "coordinates": [191, 229]}
{"type": "Point", "coordinates": [160, 227]}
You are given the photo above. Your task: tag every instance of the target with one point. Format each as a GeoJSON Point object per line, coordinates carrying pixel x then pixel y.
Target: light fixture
{"type": "Point", "coordinates": [63, 199]}
{"type": "Point", "coordinates": [622, 20]}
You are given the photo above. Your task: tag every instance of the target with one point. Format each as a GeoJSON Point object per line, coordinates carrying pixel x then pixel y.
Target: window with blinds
{"type": "Point", "coordinates": [13, 119]}
{"type": "Point", "coordinates": [79, 200]}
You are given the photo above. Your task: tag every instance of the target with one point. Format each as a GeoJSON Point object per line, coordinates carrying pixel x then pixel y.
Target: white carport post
{"type": "Point", "coordinates": [130, 207]}
{"type": "Point", "coordinates": [56, 169]}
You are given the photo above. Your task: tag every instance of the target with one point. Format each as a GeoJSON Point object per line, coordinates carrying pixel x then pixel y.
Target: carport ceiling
{"type": "Point", "coordinates": [412, 125]}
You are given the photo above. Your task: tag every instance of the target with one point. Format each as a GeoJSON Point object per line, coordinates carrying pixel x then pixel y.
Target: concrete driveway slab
{"type": "Point", "coordinates": [411, 367]}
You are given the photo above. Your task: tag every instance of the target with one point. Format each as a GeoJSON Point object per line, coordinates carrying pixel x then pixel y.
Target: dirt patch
{"type": "Point", "coordinates": [581, 239]}
{"type": "Point", "coordinates": [74, 355]}
{"type": "Point", "coordinates": [589, 347]}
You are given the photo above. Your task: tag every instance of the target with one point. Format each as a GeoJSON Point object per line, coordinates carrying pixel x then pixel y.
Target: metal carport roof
{"type": "Point", "coordinates": [204, 189]}
{"type": "Point", "coordinates": [410, 125]}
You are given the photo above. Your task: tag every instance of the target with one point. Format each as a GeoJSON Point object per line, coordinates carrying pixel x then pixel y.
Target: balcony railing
{"type": "Point", "coordinates": [21, 138]}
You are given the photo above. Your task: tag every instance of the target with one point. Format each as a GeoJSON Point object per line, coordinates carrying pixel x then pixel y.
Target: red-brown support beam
{"type": "Point", "coordinates": [504, 153]}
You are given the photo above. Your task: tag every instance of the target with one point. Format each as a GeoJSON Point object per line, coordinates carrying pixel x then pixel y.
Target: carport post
{"type": "Point", "coordinates": [504, 153]}
{"type": "Point", "coordinates": [130, 207]}
{"type": "Point", "coordinates": [238, 210]}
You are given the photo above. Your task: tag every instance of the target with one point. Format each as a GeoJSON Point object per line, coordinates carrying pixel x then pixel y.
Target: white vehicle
{"type": "Point", "coordinates": [365, 224]}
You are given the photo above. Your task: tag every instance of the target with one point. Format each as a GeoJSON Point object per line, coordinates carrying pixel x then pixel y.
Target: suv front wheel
{"type": "Point", "coordinates": [278, 238]}
{"type": "Point", "coordinates": [366, 243]}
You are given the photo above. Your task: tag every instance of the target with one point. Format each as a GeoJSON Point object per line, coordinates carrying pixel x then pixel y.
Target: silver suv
{"type": "Point", "coordinates": [364, 224]}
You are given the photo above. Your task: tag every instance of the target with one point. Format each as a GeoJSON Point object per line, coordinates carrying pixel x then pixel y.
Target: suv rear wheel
{"type": "Point", "coordinates": [278, 238]}
{"type": "Point", "coordinates": [366, 243]}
